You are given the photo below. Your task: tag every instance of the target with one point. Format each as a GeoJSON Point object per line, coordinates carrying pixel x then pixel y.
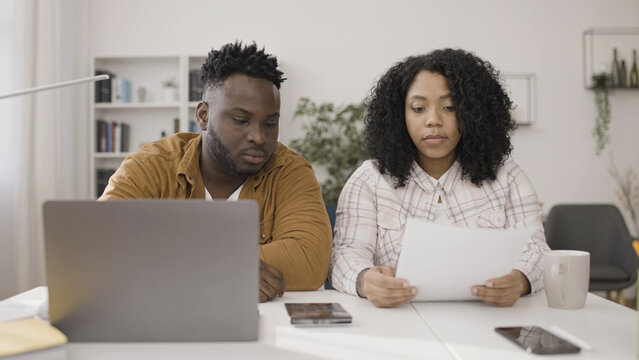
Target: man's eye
{"type": "Point", "coordinates": [240, 120]}
{"type": "Point", "coordinates": [270, 124]}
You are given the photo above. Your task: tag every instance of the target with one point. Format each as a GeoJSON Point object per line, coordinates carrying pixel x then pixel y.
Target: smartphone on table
{"type": "Point", "coordinates": [318, 314]}
{"type": "Point", "coordinates": [537, 340]}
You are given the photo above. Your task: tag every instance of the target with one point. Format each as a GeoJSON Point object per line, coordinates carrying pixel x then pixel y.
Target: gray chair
{"type": "Point", "coordinates": [600, 230]}
{"type": "Point", "coordinates": [330, 209]}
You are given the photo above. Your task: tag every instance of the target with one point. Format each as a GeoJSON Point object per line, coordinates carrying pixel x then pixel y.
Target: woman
{"type": "Point", "coordinates": [438, 132]}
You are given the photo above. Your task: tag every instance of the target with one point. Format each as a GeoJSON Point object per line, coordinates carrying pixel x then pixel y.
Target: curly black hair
{"type": "Point", "coordinates": [482, 108]}
{"type": "Point", "coordinates": [236, 58]}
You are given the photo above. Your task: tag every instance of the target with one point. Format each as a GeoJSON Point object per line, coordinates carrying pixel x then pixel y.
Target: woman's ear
{"type": "Point", "coordinates": [202, 114]}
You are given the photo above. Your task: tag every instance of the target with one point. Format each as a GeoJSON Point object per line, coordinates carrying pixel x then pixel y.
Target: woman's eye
{"type": "Point", "coordinates": [418, 109]}
{"type": "Point", "coordinates": [240, 120]}
{"type": "Point", "coordinates": [450, 108]}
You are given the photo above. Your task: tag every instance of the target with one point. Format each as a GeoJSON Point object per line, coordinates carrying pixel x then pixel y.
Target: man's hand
{"type": "Point", "coordinates": [503, 291]}
{"type": "Point", "coordinates": [271, 282]}
{"type": "Point", "coordinates": [383, 289]}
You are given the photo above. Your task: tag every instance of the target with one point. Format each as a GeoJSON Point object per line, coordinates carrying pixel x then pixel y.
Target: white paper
{"type": "Point", "coordinates": [444, 262]}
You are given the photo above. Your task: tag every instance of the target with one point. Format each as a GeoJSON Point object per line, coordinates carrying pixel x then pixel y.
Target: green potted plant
{"type": "Point", "coordinates": [333, 140]}
{"type": "Point", "coordinates": [602, 85]}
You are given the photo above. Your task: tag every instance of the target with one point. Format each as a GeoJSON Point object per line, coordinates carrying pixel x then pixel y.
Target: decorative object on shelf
{"type": "Point", "coordinates": [333, 139]}
{"type": "Point", "coordinates": [602, 87]}
{"type": "Point", "coordinates": [141, 94]}
{"type": "Point", "coordinates": [627, 191]}
{"type": "Point", "coordinates": [170, 90]}
{"type": "Point", "coordinates": [623, 75]}
{"type": "Point", "coordinates": [634, 74]}
{"type": "Point", "coordinates": [614, 69]}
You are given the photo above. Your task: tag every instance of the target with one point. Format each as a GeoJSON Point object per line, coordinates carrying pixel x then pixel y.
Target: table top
{"type": "Point", "coordinates": [468, 328]}
{"type": "Point", "coordinates": [421, 330]}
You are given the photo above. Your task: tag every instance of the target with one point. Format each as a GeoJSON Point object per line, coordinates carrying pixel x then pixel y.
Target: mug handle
{"type": "Point", "coordinates": [557, 271]}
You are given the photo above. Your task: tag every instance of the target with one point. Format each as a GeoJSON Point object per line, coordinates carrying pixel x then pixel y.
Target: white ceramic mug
{"type": "Point", "coordinates": [566, 278]}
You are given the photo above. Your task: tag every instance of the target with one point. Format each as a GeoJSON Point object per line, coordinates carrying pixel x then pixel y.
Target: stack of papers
{"type": "Point", "coordinates": [444, 262]}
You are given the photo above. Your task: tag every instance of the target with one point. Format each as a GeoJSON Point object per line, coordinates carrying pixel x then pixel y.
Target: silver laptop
{"type": "Point", "coordinates": [153, 270]}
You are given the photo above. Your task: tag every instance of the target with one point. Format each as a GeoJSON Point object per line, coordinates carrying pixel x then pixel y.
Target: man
{"type": "Point", "coordinates": [238, 156]}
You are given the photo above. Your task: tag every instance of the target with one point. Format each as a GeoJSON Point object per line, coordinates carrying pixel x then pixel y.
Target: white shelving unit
{"type": "Point", "coordinates": [147, 120]}
{"type": "Point", "coordinates": [522, 90]}
{"type": "Point", "coordinates": [598, 45]}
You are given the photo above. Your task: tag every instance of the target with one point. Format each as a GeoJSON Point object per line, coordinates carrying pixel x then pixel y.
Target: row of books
{"type": "Point", "coordinates": [112, 136]}
{"type": "Point", "coordinates": [195, 85]}
{"type": "Point", "coordinates": [114, 89]}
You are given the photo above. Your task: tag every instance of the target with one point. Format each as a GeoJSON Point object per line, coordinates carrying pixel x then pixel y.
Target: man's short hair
{"type": "Point", "coordinates": [237, 58]}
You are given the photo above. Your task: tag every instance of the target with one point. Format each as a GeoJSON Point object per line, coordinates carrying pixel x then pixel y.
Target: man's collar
{"type": "Point", "coordinates": [189, 167]}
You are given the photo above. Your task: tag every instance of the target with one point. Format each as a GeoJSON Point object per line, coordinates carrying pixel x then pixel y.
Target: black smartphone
{"type": "Point", "coordinates": [317, 314]}
{"type": "Point", "coordinates": [537, 340]}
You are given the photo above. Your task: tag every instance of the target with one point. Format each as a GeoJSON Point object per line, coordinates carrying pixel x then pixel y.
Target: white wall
{"type": "Point", "coordinates": [335, 50]}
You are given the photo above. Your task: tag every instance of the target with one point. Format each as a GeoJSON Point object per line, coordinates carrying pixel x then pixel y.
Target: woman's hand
{"type": "Point", "coordinates": [503, 291]}
{"type": "Point", "coordinates": [383, 289]}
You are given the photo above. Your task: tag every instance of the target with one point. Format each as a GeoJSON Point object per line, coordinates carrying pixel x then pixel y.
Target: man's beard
{"type": "Point", "coordinates": [222, 155]}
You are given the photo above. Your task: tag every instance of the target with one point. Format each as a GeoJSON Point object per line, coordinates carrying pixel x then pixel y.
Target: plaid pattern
{"type": "Point", "coordinates": [371, 215]}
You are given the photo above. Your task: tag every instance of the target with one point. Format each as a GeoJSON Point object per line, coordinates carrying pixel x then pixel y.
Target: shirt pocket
{"type": "Point", "coordinates": [388, 220]}
{"type": "Point", "coordinates": [492, 218]}
{"type": "Point", "coordinates": [390, 226]}
{"type": "Point", "coordinates": [266, 231]}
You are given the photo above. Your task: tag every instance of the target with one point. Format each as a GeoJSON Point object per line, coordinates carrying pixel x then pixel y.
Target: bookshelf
{"type": "Point", "coordinates": [148, 115]}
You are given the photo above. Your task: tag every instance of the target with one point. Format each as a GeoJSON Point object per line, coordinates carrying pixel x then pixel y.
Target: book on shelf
{"type": "Point", "coordinates": [194, 127]}
{"type": "Point", "coordinates": [195, 85]}
{"type": "Point", "coordinates": [115, 137]}
{"type": "Point", "coordinates": [103, 88]}
{"type": "Point", "coordinates": [112, 136]}
{"type": "Point", "coordinates": [102, 177]}
{"type": "Point", "coordinates": [125, 91]}
{"type": "Point", "coordinates": [113, 90]}
{"type": "Point", "coordinates": [121, 90]}
{"type": "Point", "coordinates": [109, 136]}
{"type": "Point", "coordinates": [124, 137]}
{"type": "Point", "coordinates": [101, 136]}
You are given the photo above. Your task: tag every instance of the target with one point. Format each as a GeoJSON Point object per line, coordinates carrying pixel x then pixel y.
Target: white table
{"type": "Point", "coordinates": [374, 334]}
{"type": "Point", "coordinates": [441, 330]}
{"type": "Point", "coordinates": [467, 328]}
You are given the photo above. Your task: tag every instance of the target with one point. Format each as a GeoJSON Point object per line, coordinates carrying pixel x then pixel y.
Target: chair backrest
{"type": "Point", "coordinates": [596, 228]}
{"type": "Point", "coordinates": [330, 209]}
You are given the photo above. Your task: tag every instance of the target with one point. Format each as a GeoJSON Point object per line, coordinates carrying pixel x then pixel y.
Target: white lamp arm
{"type": "Point", "coordinates": [55, 86]}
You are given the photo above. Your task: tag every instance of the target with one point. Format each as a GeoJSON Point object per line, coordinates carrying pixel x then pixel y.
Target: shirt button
{"type": "Point", "coordinates": [263, 236]}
